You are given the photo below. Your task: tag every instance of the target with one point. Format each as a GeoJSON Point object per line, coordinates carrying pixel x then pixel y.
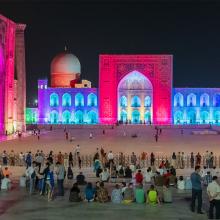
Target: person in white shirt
{"type": "Point", "coordinates": [181, 183]}
{"type": "Point", "coordinates": [104, 175]}
{"type": "Point", "coordinates": [31, 175]}
{"type": "Point", "coordinates": [148, 176]}
{"type": "Point", "coordinates": [6, 183]}
{"type": "Point", "coordinates": [77, 150]}
{"type": "Point", "coordinates": [110, 158]}
{"type": "Point", "coordinates": [213, 191]}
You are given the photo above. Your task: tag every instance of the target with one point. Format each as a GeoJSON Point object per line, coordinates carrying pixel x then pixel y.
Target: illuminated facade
{"type": "Point", "coordinates": [12, 76]}
{"type": "Point", "coordinates": [133, 89]}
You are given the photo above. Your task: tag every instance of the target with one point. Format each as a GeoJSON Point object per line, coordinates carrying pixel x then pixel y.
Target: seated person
{"type": "Point", "coordinates": [128, 194]}
{"type": "Point", "coordinates": [181, 183]}
{"type": "Point", "coordinates": [152, 196]}
{"type": "Point", "coordinates": [80, 179]}
{"type": "Point", "coordinates": [167, 194]}
{"type": "Point", "coordinates": [104, 175]}
{"type": "Point", "coordinates": [75, 194]}
{"type": "Point", "coordinates": [6, 183]}
{"type": "Point", "coordinates": [172, 180]}
{"type": "Point", "coordinates": [139, 194]}
{"type": "Point", "coordinates": [188, 183]}
{"type": "Point", "coordinates": [139, 177]}
{"type": "Point", "coordinates": [128, 172]}
{"type": "Point", "coordinates": [89, 193]}
{"type": "Point", "coordinates": [116, 195]}
{"type": "Point", "coordinates": [158, 179]}
{"type": "Point", "coordinates": [148, 176]}
{"type": "Point", "coordinates": [6, 172]}
{"type": "Point", "coordinates": [102, 193]}
{"type": "Point", "coordinates": [124, 186]}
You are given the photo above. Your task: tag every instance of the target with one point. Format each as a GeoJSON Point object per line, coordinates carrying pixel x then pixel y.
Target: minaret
{"type": "Point", "coordinates": [20, 75]}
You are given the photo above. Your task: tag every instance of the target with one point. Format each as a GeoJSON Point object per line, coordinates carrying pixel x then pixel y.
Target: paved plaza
{"type": "Point", "coordinates": [17, 204]}
{"type": "Point", "coordinates": [118, 139]}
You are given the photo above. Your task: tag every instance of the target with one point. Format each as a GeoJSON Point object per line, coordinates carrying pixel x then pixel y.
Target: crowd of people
{"type": "Point", "coordinates": [132, 182]}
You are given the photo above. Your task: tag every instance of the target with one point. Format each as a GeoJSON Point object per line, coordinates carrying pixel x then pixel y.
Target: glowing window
{"type": "Point", "coordinates": [92, 117]}
{"type": "Point", "coordinates": [123, 101]}
{"type": "Point", "coordinates": [54, 117]}
{"type": "Point", "coordinates": [79, 100]}
{"type": "Point", "coordinates": [54, 100]}
{"type": "Point", "coordinates": [66, 117]}
{"type": "Point", "coordinates": [204, 100]}
{"type": "Point", "coordinates": [66, 100]}
{"type": "Point", "coordinates": [191, 100]}
{"type": "Point", "coordinates": [135, 101]}
{"type": "Point", "coordinates": [178, 100]}
{"type": "Point", "coordinates": [78, 117]}
{"type": "Point", "coordinates": [147, 101]}
{"type": "Point", "coordinates": [92, 100]}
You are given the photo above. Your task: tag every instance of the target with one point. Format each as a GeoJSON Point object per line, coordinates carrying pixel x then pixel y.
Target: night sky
{"type": "Point", "coordinates": [190, 31]}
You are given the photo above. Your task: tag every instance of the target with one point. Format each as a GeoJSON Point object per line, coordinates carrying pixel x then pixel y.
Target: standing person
{"type": "Point", "coordinates": [28, 159]}
{"type": "Point", "coordinates": [60, 178]}
{"type": "Point", "coordinates": [31, 175]}
{"type": "Point", "coordinates": [12, 158]}
{"type": "Point", "coordinates": [211, 160]}
{"type": "Point", "coordinates": [182, 161]}
{"type": "Point", "coordinates": [65, 160]}
{"type": "Point", "coordinates": [192, 160]}
{"type": "Point", "coordinates": [67, 135]}
{"type": "Point", "coordinates": [133, 159]}
{"type": "Point", "coordinates": [143, 158]}
{"type": "Point", "coordinates": [110, 158]}
{"type": "Point", "coordinates": [156, 137]}
{"type": "Point", "coordinates": [79, 162]}
{"type": "Point", "coordinates": [173, 161]}
{"type": "Point", "coordinates": [60, 158]}
{"type": "Point", "coordinates": [70, 159]}
{"type": "Point", "coordinates": [196, 180]}
{"type": "Point", "coordinates": [178, 160]}
{"type": "Point", "coordinates": [213, 191]}
{"type": "Point", "coordinates": [207, 156]}
{"type": "Point", "coordinates": [198, 159]}
{"type": "Point", "coordinates": [152, 159]}
{"type": "Point", "coordinates": [77, 150]}
{"type": "Point", "coordinates": [5, 158]}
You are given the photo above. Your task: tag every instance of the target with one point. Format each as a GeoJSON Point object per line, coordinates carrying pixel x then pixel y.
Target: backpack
{"type": "Point", "coordinates": [69, 173]}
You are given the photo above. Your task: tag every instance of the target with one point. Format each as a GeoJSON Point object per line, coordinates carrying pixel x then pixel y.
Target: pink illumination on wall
{"type": "Point", "coordinates": [7, 50]}
{"type": "Point", "coordinates": [157, 69]}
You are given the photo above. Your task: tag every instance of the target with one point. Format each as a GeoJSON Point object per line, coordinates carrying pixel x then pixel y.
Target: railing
{"type": "Point", "coordinates": [87, 161]}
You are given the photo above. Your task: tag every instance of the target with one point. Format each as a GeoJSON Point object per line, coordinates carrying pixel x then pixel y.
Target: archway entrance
{"type": "Point", "coordinates": [135, 95]}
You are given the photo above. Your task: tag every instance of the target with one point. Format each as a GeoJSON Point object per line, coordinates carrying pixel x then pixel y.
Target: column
{"type": "Point", "coordinates": [20, 76]}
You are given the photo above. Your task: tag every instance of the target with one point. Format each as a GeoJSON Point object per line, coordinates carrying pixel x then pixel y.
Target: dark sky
{"type": "Point", "coordinates": [188, 30]}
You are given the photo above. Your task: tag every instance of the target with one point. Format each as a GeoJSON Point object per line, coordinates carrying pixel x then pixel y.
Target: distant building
{"type": "Point", "coordinates": [12, 76]}
{"type": "Point", "coordinates": [133, 89]}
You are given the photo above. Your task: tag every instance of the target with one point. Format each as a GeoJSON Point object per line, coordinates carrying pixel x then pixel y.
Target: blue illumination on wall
{"type": "Point", "coordinates": [54, 100]}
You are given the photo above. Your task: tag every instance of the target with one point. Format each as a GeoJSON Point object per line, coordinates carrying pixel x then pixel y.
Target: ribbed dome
{"type": "Point", "coordinates": [65, 63]}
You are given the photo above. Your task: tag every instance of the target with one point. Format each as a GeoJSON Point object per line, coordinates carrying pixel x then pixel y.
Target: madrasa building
{"type": "Point", "coordinates": [12, 76]}
{"type": "Point", "coordinates": [133, 89]}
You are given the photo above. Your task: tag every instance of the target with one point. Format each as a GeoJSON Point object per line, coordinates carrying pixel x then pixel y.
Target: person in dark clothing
{"type": "Point", "coordinates": [196, 190]}
{"type": "Point", "coordinates": [152, 159]}
{"type": "Point", "coordinates": [75, 194]}
{"type": "Point", "coordinates": [128, 172]}
{"type": "Point", "coordinates": [45, 173]}
{"type": "Point", "coordinates": [80, 179]}
{"type": "Point", "coordinates": [70, 159]}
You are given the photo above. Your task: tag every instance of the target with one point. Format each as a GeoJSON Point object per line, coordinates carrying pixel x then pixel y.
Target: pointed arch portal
{"type": "Point", "coordinates": [156, 69]}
